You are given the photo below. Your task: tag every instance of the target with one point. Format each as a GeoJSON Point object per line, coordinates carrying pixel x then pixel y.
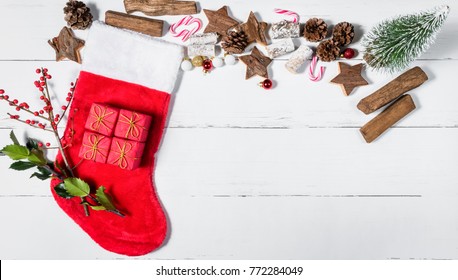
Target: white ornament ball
{"type": "Point", "coordinates": [186, 65]}
{"type": "Point", "coordinates": [218, 62]}
{"type": "Point", "coordinates": [230, 60]}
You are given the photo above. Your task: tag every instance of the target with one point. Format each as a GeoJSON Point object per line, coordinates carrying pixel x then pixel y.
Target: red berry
{"type": "Point", "coordinates": [41, 89]}
{"type": "Point", "coordinates": [27, 121]}
{"type": "Point", "coordinates": [64, 107]}
{"type": "Point", "coordinates": [2, 91]}
{"type": "Point", "coordinates": [40, 144]}
{"type": "Point", "coordinates": [349, 53]}
{"type": "Point", "coordinates": [49, 77]}
{"type": "Point", "coordinates": [6, 97]}
{"type": "Point", "coordinates": [68, 99]}
{"type": "Point", "coordinates": [207, 65]}
{"type": "Point", "coordinates": [41, 112]}
{"type": "Point", "coordinates": [42, 84]}
{"type": "Point", "coordinates": [42, 78]}
{"type": "Point", "coordinates": [69, 94]}
{"type": "Point", "coordinates": [45, 70]}
{"type": "Point", "coordinates": [72, 84]}
{"type": "Point", "coordinates": [56, 119]}
{"type": "Point", "coordinates": [48, 144]}
{"type": "Point", "coordinates": [15, 101]}
{"type": "Point", "coordinates": [38, 71]}
{"type": "Point", "coordinates": [35, 113]}
{"type": "Point", "coordinates": [18, 108]}
{"type": "Point", "coordinates": [266, 84]}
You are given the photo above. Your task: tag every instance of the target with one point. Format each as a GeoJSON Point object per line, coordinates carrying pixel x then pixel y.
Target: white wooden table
{"type": "Point", "coordinates": [249, 174]}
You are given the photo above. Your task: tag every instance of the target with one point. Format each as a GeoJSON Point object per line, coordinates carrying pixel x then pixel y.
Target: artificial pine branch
{"type": "Point", "coordinates": [393, 44]}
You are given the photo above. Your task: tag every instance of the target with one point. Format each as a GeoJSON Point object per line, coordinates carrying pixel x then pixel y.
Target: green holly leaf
{"type": "Point", "coordinates": [21, 165]}
{"type": "Point", "coordinates": [62, 191]}
{"type": "Point", "coordinates": [16, 152]}
{"type": "Point", "coordinates": [37, 157]}
{"type": "Point", "coordinates": [43, 173]}
{"type": "Point", "coordinates": [76, 187]}
{"type": "Point", "coordinates": [97, 207]}
{"type": "Point", "coordinates": [104, 199]}
{"type": "Point", "coordinates": [14, 138]}
{"type": "Point", "coordinates": [31, 144]}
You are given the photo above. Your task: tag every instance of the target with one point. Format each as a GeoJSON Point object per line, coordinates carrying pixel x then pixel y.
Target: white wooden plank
{"type": "Point", "coordinates": [253, 228]}
{"type": "Point", "coordinates": [292, 162]}
{"type": "Point", "coordinates": [29, 24]}
{"type": "Point", "coordinates": [224, 99]}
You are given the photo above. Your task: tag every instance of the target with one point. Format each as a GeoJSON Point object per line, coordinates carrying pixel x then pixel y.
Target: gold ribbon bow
{"type": "Point", "coordinates": [134, 127]}
{"type": "Point", "coordinates": [100, 114]}
{"type": "Point", "coordinates": [93, 147]}
{"type": "Point", "coordinates": [123, 152]}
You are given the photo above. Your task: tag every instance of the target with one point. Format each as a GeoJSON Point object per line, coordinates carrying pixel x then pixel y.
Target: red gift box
{"type": "Point", "coordinates": [133, 126]}
{"type": "Point", "coordinates": [125, 153]}
{"type": "Point", "coordinates": [95, 147]}
{"type": "Point", "coordinates": [102, 119]}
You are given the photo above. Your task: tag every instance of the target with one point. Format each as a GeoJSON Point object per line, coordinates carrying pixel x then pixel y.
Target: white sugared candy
{"type": "Point", "coordinates": [230, 59]}
{"type": "Point", "coordinates": [204, 39]}
{"type": "Point", "coordinates": [186, 65]}
{"type": "Point", "coordinates": [218, 62]}
{"type": "Point", "coordinates": [201, 50]}
{"type": "Point", "coordinates": [298, 58]}
{"type": "Point", "coordinates": [280, 48]}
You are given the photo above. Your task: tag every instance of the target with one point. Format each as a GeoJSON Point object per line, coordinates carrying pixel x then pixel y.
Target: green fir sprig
{"type": "Point", "coordinates": [393, 44]}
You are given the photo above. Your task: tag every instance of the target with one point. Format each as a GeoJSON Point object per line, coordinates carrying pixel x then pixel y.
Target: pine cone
{"type": "Point", "coordinates": [343, 34]}
{"type": "Point", "coordinates": [315, 30]}
{"type": "Point", "coordinates": [327, 51]}
{"type": "Point", "coordinates": [77, 15]}
{"type": "Point", "coordinates": [235, 42]}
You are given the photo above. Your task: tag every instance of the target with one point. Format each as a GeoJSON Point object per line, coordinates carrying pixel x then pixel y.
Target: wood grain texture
{"type": "Point", "coordinates": [249, 174]}
{"type": "Point", "coordinates": [391, 115]}
{"type": "Point", "coordinates": [148, 26]}
{"type": "Point", "coordinates": [349, 77]}
{"type": "Point", "coordinates": [408, 80]}
{"type": "Point", "coordinates": [160, 7]}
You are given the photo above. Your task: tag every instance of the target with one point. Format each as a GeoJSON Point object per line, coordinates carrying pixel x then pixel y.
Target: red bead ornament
{"type": "Point", "coordinates": [207, 65]}
{"type": "Point", "coordinates": [266, 84]}
{"type": "Point", "coordinates": [349, 53]}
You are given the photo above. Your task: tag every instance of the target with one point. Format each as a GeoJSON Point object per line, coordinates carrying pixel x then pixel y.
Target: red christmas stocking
{"type": "Point", "coordinates": [129, 71]}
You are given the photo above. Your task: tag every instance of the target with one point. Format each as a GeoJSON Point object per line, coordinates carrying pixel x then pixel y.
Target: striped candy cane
{"type": "Point", "coordinates": [187, 20]}
{"type": "Point", "coordinates": [288, 13]}
{"type": "Point", "coordinates": [312, 67]}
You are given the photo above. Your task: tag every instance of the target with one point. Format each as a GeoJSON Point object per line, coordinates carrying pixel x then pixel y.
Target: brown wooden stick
{"type": "Point", "coordinates": [397, 87]}
{"type": "Point", "coordinates": [391, 115]}
{"type": "Point", "coordinates": [152, 27]}
{"type": "Point", "coordinates": [161, 7]}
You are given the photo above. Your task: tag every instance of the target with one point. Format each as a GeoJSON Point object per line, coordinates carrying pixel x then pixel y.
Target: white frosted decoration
{"type": "Point", "coordinates": [230, 59]}
{"type": "Point", "coordinates": [218, 62]}
{"type": "Point", "coordinates": [186, 65]}
{"type": "Point", "coordinates": [280, 48]}
{"type": "Point", "coordinates": [204, 39]}
{"type": "Point", "coordinates": [201, 50]}
{"type": "Point", "coordinates": [285, 29]}
{"type": "Point", "coordinates": [298, 58]}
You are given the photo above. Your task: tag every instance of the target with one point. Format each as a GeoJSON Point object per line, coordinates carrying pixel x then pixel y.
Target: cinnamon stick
{"type": "Point", "coordinates": [152, 27]}
{"type": "Point", "coordinates": [161, 7]}
{"type": "Point", "coordinates": [391, 115]}
{"type": "Point", "coordinates": [397, 87]}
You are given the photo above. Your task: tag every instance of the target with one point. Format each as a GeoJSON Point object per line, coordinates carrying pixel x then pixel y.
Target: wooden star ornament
{"type": "Point", "coordinates": [254, 30]}
{"type": "Point", "coordinates": [67, 45]}
{"type": "Point", "coordinates": [256, 64]}
{"type": "Point", "coordinates": [349, 77]}
{"type": "Point", "coordinates": [219, 21]}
